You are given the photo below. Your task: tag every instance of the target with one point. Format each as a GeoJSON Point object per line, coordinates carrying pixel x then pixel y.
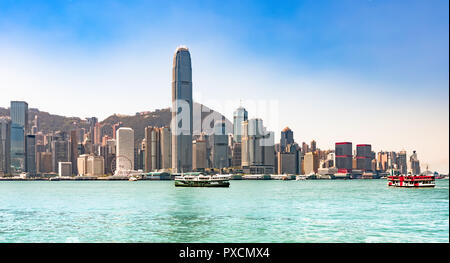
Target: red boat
{"type": "Point", "coordinates": [411, 180]}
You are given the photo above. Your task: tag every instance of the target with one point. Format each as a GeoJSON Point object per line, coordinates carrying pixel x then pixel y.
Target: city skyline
{"type": "Point", "coordinates": [383, 101]}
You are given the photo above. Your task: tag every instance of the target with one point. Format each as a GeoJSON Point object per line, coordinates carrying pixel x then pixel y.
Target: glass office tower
{"type": "Point", "coordinates": [19, 128]}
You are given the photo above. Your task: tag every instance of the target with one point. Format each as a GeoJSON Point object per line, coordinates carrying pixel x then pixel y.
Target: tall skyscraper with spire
{"type": "Point", "coordinates": [182, 107]}
{"type": "Point", "coordinates": [239, 115]}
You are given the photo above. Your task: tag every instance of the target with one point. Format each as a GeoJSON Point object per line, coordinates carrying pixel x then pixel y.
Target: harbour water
{"type": "Point", "coordinates": [248, 211]}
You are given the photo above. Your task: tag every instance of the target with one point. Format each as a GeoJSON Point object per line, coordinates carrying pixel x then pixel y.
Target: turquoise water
{"type": "Point", "coordinates": [248, 211]}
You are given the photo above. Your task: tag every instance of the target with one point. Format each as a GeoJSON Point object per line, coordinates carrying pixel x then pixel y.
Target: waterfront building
{"type": "Point", "coordinates": [74, 150]}
{"type": "Point", "coordinates": [236, 154]}
{"type": "Point", "coordinates": [166, 148]}
{"type": "Point", "coordinates": [344, 157]}
{"type": "Point", "coordinates": [125, 150]}
{"type": "Point", "coordinates": [157, 148]}
{"type": "Point", "coordinates": [286, 163]}
{"type": "Point", "coordinates": [65, 168]}
{"type": "Point", "coordinates": [414, 164]}
{"type": "Point", "coordinates": [258, 148]}
{"type": "Point", "coordinates": [151, 146]}
{"type": "Point", "coordinates": [82, 164]}
{"type": "Point", "coordinates": [19, 128]}
{"type": "Point", "coordinates": [300, 162]}
{"type": "Point", "coordinates": [44, 162]}
{"type": "Point", "coordinates": [108, 157]}
{"type": "Point", "coordinates": [311, 163]}
{"type": "Point", "coordinates": [5, 145]}
{"type": "Point", "coordinates": [95, 165]}
{"type": "Point", "coordinates": [219, 146]}
{"type": "Point", "coordinates": [199, 155]}
{"type": "Point", "coordinates": [60, 150]}
{"type": "Point", "coordinates": [182, 108]}
{"type": "Point", "coordinates": [364, 157]}
{"type": "Point", "coordinates": [30, 154]}
{"type": "Point", "coordinates": [239, 115]}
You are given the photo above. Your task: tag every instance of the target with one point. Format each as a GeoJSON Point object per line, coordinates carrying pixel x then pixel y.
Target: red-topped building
{"type": "Point", "coordinates": [364, 157]}
{"type": "Point", "coordinates": [343, 151]}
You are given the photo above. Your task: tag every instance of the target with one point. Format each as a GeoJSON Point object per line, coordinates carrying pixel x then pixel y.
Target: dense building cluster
{"type": "Point", "coordinates": [96, 149]}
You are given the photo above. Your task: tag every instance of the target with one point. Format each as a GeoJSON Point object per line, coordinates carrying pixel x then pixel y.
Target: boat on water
{"type": "Point", "coordinates": [132, 178]}
{"type": "Point", "coordinates": [200, 180]}
{"type": "Point", "coordinates": [300, 177]}
{"type": "Point", "coordinates": [411, 180]}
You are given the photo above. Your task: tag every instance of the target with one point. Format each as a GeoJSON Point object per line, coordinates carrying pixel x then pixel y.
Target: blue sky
{"type": "Point", "coordinates": [379, 63]}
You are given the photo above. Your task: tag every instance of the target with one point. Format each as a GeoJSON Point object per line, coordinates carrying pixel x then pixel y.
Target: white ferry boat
{"type": "Point", "coordinates": [200, 180]}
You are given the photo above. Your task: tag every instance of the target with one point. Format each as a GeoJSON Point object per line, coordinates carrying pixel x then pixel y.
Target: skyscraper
{"type": "Point", "coordinates": [364, 157]}
{"type": "Point", "coordinates": [199, 155]}
{"type": "Point", "coordinates": [125, 151]}
{"type": "Point", "coordinates": [74, 150]}
{"type": "Point", "coordinates": [219, 146]}
{"type": "Point", "coordinates": [152, 154]}
{"type": "Point", "coordinates": [258, 150]}
{"type": "Point", "coordinates": [30, 160]}
{"type": "Point", "coordinates": [239, 115]}
{"type": "Point", "coordinates": [5, 145]}
{"type": "Point", "coordinates": [287, 137]}
{"type": "Point", "coordinates": [19, 127]}
{"type": "Point", "coordinates": [344, 156]}
{"type": "Point", "coordinates": [182, 107]}
{"type": "Point", "coordinates": [166, 148]}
